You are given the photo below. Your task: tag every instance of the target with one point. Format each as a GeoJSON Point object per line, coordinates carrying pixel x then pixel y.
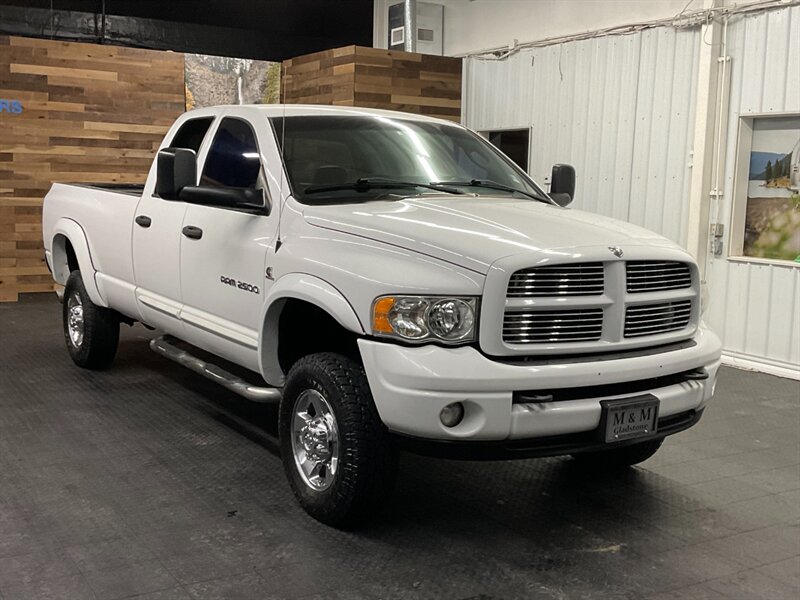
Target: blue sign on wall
{"type": "Point", "coordinates": [10, 106]}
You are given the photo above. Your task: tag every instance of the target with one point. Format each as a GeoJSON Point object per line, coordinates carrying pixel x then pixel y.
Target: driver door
{"type": "Point", "coordinates": [224, 250]}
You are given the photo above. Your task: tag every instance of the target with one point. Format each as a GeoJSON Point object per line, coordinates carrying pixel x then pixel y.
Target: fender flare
{"type": "Point", "coordinates": [299, 286]}
{"type": "Point", "coordinates": [72, 231]}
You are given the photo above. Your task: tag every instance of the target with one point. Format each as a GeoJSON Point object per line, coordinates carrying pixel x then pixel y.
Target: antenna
{"type": "Point", "coordinates": [281, 199]}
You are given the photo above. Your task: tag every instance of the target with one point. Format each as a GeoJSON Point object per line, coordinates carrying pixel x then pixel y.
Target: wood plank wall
{"type": "Point", "coordinates": [96, 114]}
{"type": "Point", "coordinates": [90, 113]}
{"type": "Point", "coordinates": [375, 78]}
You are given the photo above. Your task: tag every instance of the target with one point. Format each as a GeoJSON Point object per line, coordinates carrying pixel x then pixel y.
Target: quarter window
{"type": "Point", "coordinates": [191, 134]}
{"type": "Point", "coordinates": [233, 160]}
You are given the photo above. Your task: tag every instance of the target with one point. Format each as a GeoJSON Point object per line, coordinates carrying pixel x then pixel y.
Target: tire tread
{"type": "Point", "coordinates": [367, 459]}
{"type": "Point", "coordinates": [100, 329]}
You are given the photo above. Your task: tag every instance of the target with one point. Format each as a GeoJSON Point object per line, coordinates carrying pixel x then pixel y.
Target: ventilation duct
{"type": "Point", "coordinates": [416, 27]}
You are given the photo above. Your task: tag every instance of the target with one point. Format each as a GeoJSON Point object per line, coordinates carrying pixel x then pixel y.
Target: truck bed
{"type": "Point", "coordinates": [105, 214]}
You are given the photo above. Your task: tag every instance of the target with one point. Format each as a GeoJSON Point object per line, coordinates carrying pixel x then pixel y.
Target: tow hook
{"type": "Point", "coordinates": [697, 374]}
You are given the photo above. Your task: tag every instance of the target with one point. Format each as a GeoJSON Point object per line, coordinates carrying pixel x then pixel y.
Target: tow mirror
{"type": "Point", "coordinates": [562, 184]}
{"type": "Point", "coordinates": [176, 168]}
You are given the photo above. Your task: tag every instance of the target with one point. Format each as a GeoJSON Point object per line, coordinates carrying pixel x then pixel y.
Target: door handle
{"type": "Point", "coordinates": [193, 232]}
{"type": "Point", "coordinates": [143, 221]}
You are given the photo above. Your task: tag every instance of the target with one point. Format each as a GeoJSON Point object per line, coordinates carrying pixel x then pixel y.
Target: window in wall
{"type": "Point", "coordinates": [767, 207]}
{"type": "Point", "coordinates": [514, 143]}
{"type": "Point", "coordinates": [233, 160]}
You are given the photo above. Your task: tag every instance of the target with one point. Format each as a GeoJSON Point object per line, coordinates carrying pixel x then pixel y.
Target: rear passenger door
{"type": "Point", "coordinates": [157, 239]}
{"type": "Point", "coordinates": [223, 254]}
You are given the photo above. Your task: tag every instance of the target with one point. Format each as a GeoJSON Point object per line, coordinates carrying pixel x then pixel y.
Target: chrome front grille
{"type": "Point", "coordinates": [553, 326]}
{"type": "Point", "coordinates": [651, 319]}
{"type": "Point", "coordinates": [597, 306]}
{"type": "Point", "coordinates": [654, 276]}
{"type": "Point", "coordinates": [580, 279]}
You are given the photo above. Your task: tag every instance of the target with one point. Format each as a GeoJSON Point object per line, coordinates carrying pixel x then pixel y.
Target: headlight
{"type": "Point", "coordinates": [425, 318]}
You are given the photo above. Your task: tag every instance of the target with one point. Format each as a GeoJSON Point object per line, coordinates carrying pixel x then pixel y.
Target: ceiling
{"type": "Point", "coordinates": [264, 29]}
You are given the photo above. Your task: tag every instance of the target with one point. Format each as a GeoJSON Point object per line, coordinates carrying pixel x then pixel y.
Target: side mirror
{"type": "Point", "coordinates": [562, 184]}
{"type": "Point", "coordinates": [225, 197]}
{"type": "Point", "coordinates": [176, 168]}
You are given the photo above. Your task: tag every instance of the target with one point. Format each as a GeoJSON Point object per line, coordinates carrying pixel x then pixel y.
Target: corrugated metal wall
{"type": "Point", "coordinates": [756, 307]}
{"type": "Point", "coordinates": [620, 109]}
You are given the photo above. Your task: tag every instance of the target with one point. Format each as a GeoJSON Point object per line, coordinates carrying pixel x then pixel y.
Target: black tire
{"type": "Point", "coordinates": [98, 345]}
{"type": "Point", "coordinates": [619, 458]}
{"type": "Point", "coordinates": [367, 459]}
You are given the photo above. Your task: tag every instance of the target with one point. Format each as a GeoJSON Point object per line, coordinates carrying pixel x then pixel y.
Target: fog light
{"type": "Point", "coordinates": [452, 414]}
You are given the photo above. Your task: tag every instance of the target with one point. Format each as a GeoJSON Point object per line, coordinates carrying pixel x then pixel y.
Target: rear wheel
{"type": "Point", "coordinates": [336, 451]}
{"type": "Point", "coordinates": [91, 331]}
{"type": "Point", "coordinates": [619, 458]}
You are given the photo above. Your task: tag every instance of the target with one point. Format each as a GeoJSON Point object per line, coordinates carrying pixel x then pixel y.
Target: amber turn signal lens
{"type": "Point", "coordinates": [380, 315]}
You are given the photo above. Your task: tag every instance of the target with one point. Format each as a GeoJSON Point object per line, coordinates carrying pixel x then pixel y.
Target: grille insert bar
{"type": "Point", "coordinates": [580, 279]}
{"type": "Point", "coordinates": [652, 319]}
{"type": "Point", "coordinates": [654, 276]}
{"type": "Point", "coordinates": [553, 326]}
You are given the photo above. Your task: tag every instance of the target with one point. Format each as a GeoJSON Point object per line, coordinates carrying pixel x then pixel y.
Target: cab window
{"type": "Point", "coordinates": [191, 134]}
{"type": "Point", "coordinates": [233, 159]}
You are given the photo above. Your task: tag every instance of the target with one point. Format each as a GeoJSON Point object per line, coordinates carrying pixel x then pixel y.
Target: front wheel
{"type": "Point", "coordinates": [335, 449]}
{"type": "Point", "coordinates": [91, 331]}
{"type": "Point", "coordinates": [619, 458]}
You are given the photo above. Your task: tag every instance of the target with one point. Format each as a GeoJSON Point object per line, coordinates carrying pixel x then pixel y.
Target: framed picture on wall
{"type": "Point", "coordinates": [767, 206]}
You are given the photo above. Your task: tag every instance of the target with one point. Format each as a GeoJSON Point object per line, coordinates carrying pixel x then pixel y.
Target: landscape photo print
{"type": "Point", "coordinates": [216, 80]}
{"type": "Point", "coordinates": [772, 221]}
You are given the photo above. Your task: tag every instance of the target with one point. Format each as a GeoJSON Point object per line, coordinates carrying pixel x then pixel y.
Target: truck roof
{"type": "Point", "coordinates": [296, 110]}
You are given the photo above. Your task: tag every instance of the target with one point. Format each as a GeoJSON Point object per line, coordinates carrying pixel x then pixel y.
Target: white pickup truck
{"type": "Point", "coordinates": [391, 280]}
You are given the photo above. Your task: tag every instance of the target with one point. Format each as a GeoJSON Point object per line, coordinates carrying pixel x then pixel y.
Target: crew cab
{"type": "Point", "coordinates": [391, 280]}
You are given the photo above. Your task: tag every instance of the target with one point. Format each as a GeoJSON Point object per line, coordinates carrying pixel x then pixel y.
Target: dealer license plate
{"type": "Point", "coordinates": [628, 418]}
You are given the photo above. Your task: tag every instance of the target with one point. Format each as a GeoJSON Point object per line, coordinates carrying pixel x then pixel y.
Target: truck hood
{"type": "Point", "coordinates": [475, 232]}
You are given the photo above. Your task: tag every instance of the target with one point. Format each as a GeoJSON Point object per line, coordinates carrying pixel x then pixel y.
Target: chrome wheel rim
{"type": "Point", "coordinates": [75, 319]}
{"type": "Point", "coordinates": [315, 440]}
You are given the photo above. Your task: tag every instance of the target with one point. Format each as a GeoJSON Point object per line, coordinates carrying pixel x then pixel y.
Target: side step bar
{"type": "Point", "coordinates": [163, 345]}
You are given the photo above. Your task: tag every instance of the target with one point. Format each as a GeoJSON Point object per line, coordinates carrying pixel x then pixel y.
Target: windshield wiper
{"type": "Point", "coordinates": [492, 185]}
{"type": "Point", "coordinates": [365, 184]}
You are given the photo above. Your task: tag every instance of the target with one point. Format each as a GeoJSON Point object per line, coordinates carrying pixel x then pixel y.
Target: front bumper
{"type": "Point", "coordinates": [411, 386]}
{"type": "Point", "coordinates": [557, 445]}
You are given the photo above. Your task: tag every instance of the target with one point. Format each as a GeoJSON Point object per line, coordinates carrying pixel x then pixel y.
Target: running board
{"type": "Point", "coordinates": [163, 345]}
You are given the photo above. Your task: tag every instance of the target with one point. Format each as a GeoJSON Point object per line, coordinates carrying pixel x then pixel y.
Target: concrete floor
{"type": "Point", "coordinates": [146, 481]}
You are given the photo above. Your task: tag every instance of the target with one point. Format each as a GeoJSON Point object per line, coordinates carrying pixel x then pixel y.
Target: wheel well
{"type": "Point", "coordinates": [72, 259]}
{"type": "Point", "coordinates": [65, 260]}
{"type": "Point", "coordinates": [305, 329]}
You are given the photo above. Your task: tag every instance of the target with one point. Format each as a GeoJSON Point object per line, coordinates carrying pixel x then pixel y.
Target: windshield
{"type": "Point", "coordinates": [342, 159]}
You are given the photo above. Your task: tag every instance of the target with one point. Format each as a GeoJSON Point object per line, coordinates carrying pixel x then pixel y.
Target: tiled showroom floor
{"type": "Point", "coordinates": [148, 481]}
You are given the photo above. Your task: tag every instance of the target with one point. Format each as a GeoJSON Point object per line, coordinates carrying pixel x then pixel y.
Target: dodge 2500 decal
{"type": "Point", "coordinates": [247, 287]}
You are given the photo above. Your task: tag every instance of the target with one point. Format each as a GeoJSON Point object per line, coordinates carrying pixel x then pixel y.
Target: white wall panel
{"type": "Point", "coordinates": [470, 26]}
{"type": "Point", "coordinates": [755, 307]}
{"type": "Point", "coordinates": [621, 109]}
